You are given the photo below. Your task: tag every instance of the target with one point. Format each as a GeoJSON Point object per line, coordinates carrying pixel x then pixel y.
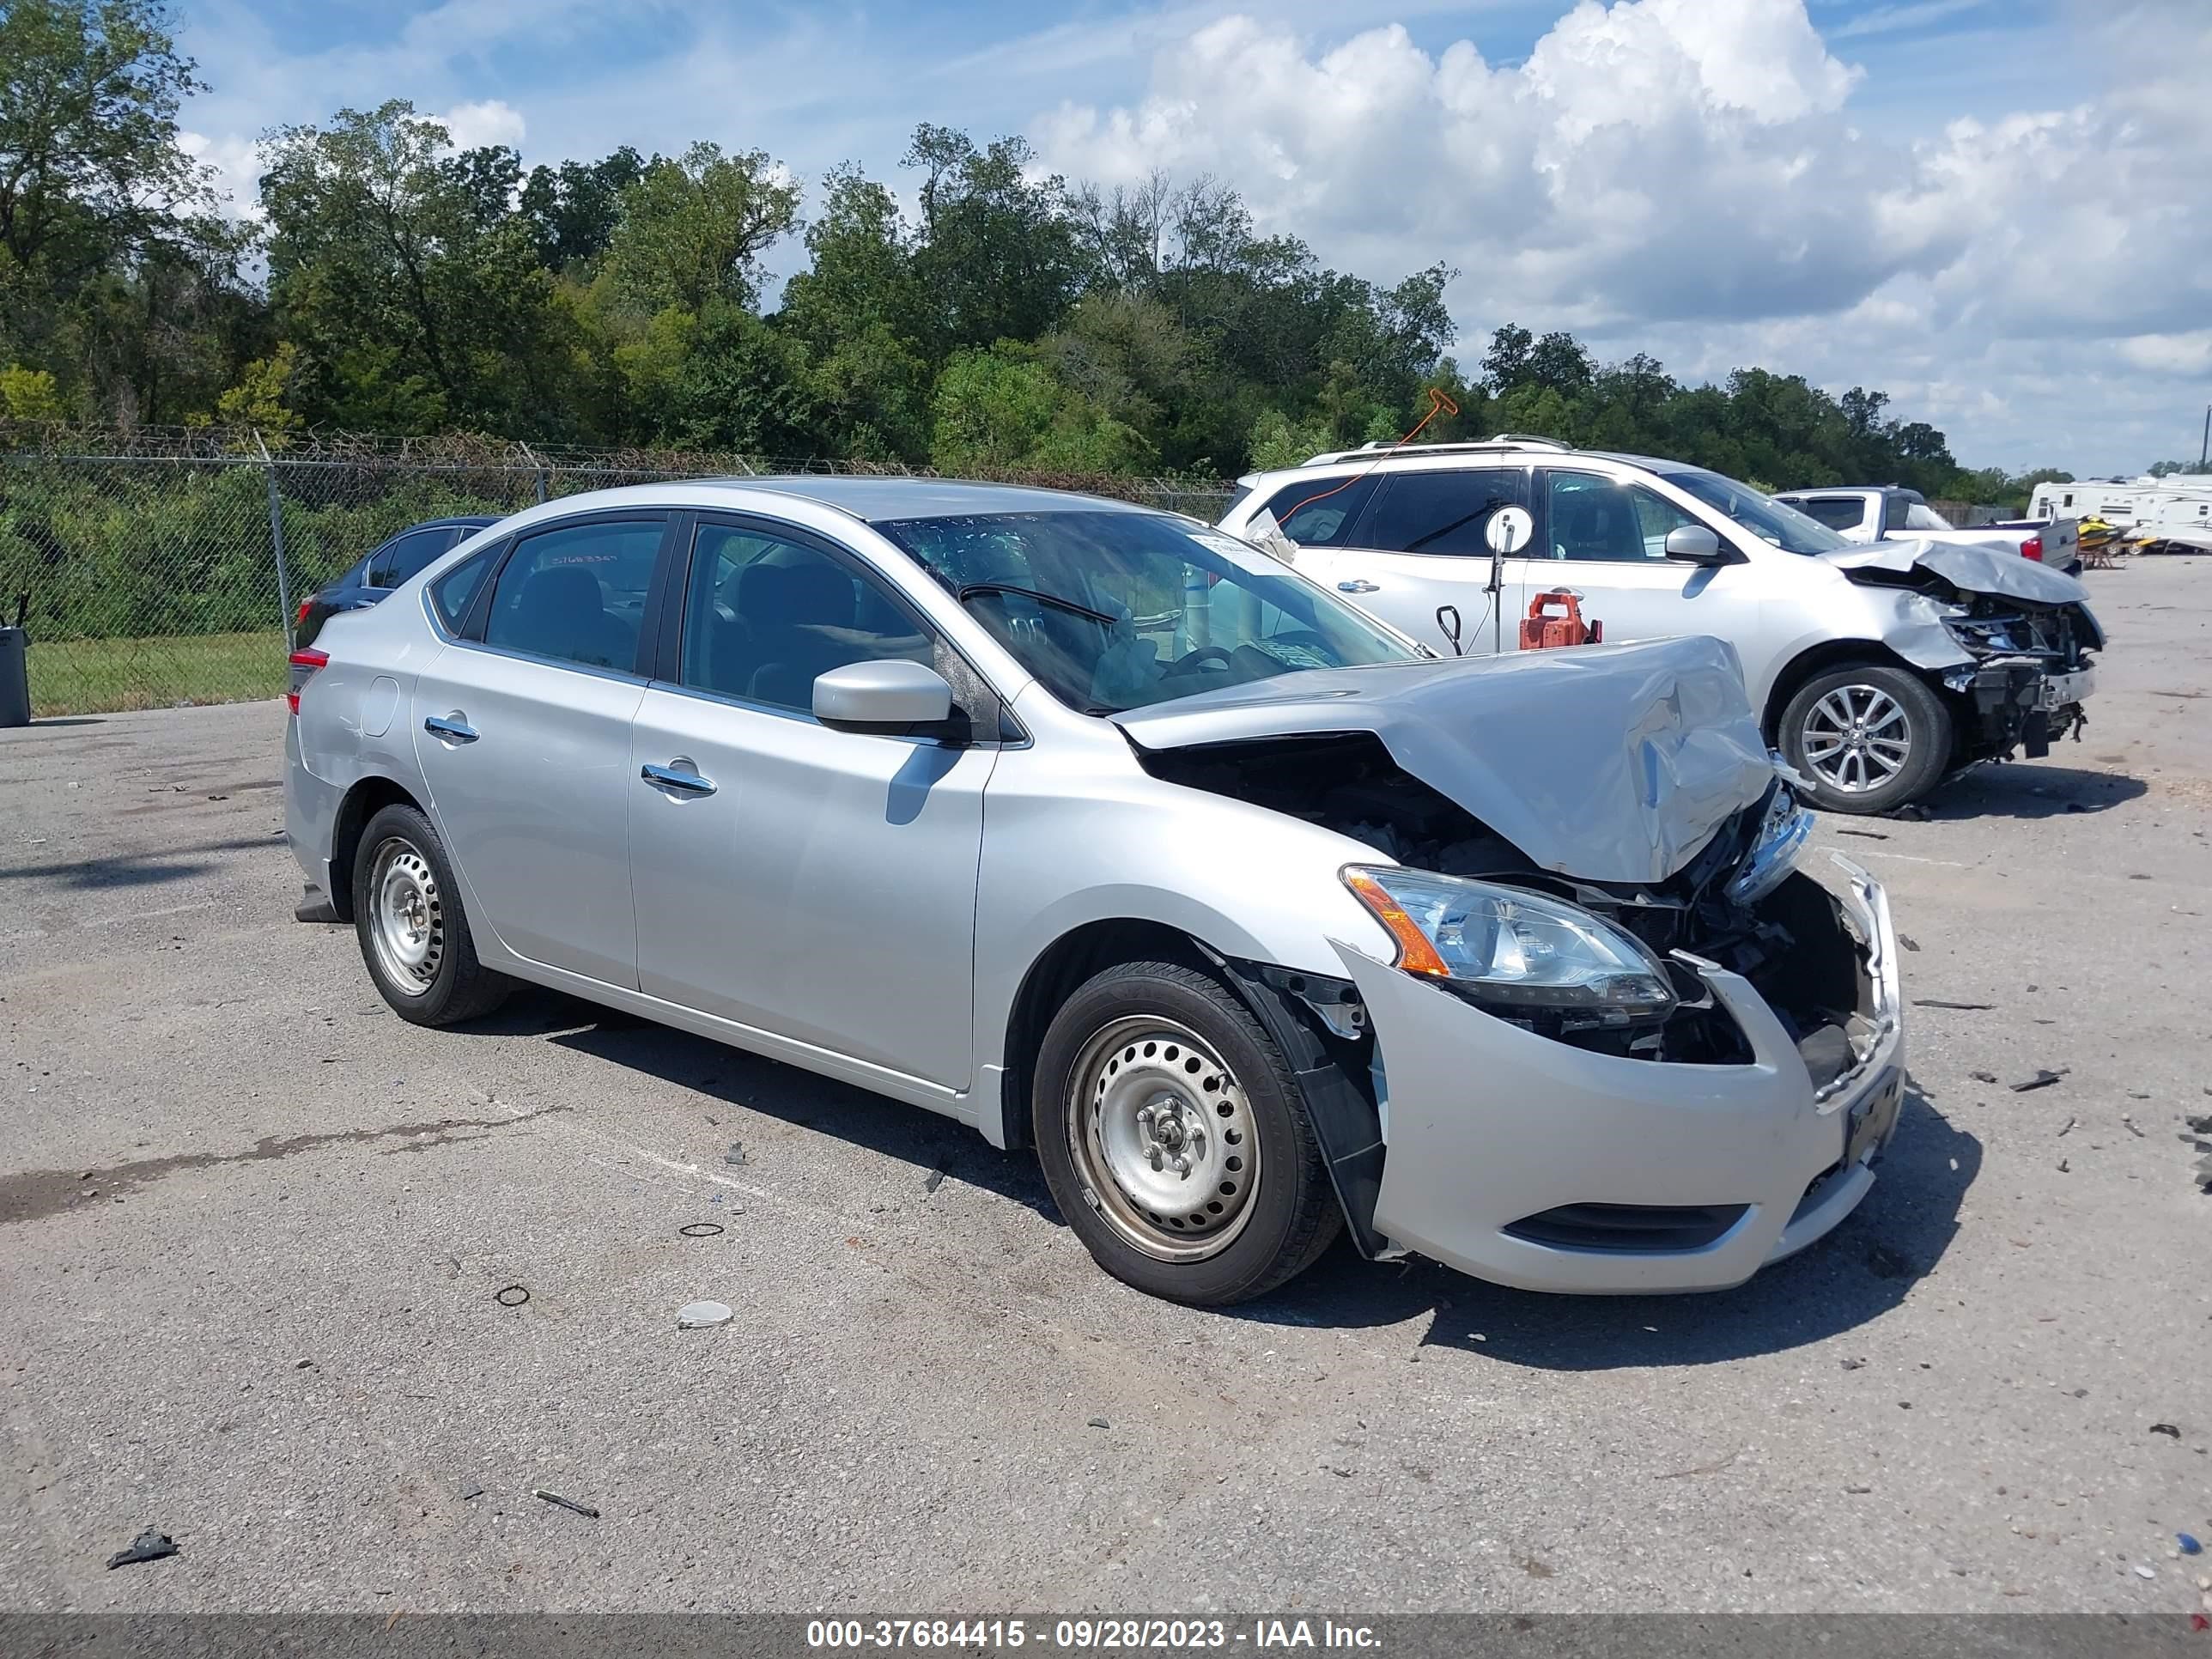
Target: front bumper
{"type": "Point", "coordinates": [1488, 1125]}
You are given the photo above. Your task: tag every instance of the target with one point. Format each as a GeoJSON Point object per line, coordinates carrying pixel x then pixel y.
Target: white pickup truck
{"type": "Point", "coordinates": [1867, 513]}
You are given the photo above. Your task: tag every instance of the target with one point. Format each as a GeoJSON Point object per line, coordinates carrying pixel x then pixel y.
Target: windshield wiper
{"type": "Point", "coordinates": [967, 591]}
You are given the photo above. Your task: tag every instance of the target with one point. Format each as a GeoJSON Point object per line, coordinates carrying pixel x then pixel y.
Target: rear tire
{"type": "Point", "coordinates": [1174, 1140]}
{"type": "Point", "coordinates": [1867, 739]}
{"type": "Point", "coordinates": [414, 933]}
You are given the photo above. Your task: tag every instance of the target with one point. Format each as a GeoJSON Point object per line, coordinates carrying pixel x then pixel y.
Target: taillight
{"type": "Point", "coordinates": [2032, 549]}
{"type": "Point", "coordinates": [300, 620]}
{"type": "Point", "coordinates": [308, 657]}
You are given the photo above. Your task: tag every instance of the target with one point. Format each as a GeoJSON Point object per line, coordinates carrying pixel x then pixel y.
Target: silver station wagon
{"type": "Point", "coordinates": [1109, 835]}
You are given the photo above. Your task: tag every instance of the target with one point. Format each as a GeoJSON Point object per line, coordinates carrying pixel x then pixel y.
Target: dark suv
{"type": "Point", "coordinates": [374, 575]}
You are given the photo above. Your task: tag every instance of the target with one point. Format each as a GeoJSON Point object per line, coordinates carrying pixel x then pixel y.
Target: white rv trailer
{"type": "Point", "coordinates": [2181, 502]}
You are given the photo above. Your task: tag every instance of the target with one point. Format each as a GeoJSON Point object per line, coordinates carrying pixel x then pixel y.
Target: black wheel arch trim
{"type": "Point", "coordinates": [1345, 1121]}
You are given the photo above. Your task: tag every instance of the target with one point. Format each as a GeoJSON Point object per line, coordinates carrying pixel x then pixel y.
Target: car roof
{"type": "Point", "coordinates": [1462, 458]}
{"type": "Point", "coordinates": [879, 500]}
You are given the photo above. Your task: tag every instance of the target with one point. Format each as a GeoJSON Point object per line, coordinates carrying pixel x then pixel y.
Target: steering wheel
{"type": "Point", "coordinates": [1191, 661]}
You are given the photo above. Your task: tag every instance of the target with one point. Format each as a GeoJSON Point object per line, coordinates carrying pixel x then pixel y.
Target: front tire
{"type": "Point", "coordinates": [1174, 1140]}
{"type": "Point", "coordinates": [413, 934]}
{"type": "Point", "coordinates": [1867, 739]}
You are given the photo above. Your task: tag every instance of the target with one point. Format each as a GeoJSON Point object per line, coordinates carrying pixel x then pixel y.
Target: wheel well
{"type": "Point", "coordinates": [1056, 974]}
{"type": "Point", "coordinates": [362, 802]}
{"type": "Point", "coordinates": [1835, 653]}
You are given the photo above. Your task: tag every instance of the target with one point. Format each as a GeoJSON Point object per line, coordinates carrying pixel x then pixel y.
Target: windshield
{"type": "Point", "coordinates": [1765, 517]}
{"type": "Point", "coordinates": [1113, 611]}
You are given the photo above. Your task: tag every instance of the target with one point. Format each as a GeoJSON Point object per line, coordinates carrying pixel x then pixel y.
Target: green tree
{"type": "Point", "coordinates": [997, 257]}
{"type": "Point", "coordinates": [102, 215]}
{"type": "Point", "coordinates": [413, 292]}
{"type": "Point", "coordinates": [693, 230]}
{"type": "Point", "coordinates": [1000, 408]}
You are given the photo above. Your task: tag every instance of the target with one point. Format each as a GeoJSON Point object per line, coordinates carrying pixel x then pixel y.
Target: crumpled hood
{"type": "Point", "coordinates": [1970, 567]}
{"type": "Point", "coordinates": [1611, 763]}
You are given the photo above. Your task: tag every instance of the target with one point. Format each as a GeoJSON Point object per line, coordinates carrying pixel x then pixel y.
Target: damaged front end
{"type": "Point", "coordinates": [2008, 639]}
{"type": "Point", "coordinates": [1572, 1084]}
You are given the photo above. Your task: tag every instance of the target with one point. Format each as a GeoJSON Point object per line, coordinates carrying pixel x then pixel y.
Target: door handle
{"type": "Point", "coordinates": [688, 783]}
{"type": "Point", "coordinates": [449, 729]}
{"type": "Point", "coordinates": [1359, 585]}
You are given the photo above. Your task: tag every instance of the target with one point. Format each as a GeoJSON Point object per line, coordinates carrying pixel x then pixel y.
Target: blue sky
{"type": "Point", "coordinates": [1984, 206]}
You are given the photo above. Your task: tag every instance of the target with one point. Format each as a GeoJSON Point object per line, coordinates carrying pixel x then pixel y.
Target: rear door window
{"type": "Point", "coordinates": [576, 593]}
{"type": "Point", "coordinates": [404, 556]}
{"type": "Point", "coordinates": [1443, 512]}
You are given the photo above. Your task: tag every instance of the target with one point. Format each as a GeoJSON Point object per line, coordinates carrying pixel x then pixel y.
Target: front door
{"type": "Point", "coordinates": [523, 736]}
{"type": "Point", "coordinates": [814, 883]}
{"type": "Point", "coordinates": [1606, 539]}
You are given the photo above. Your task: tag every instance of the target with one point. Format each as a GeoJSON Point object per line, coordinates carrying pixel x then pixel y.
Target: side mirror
{"type": "Point", "coordinates": [1692, 543]}
{"type": "Point", "coordinates": [892, 695]}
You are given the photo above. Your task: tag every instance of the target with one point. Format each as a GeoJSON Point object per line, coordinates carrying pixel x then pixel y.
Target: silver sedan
{"type": "Point", "coordinates": [1106, 834]}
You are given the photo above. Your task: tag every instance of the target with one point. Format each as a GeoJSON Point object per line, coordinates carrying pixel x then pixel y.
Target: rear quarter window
{"type": "Point", "coordinates": [452, 592]}
{"type": "Point", "coordinates": [1320, 512]}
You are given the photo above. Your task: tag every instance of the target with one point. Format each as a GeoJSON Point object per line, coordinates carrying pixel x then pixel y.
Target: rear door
{"type": "Point", "coordinates": [1417, 555]}
{"type": "Point", "coordinates": [522, 729]}
{"type": "Point", "coordinates": [814, 883]}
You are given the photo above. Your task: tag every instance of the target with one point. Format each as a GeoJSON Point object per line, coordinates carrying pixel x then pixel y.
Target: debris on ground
{"type": "Point", "coordinates": [2188, 1545]}
{"type": "Point", "coordinates": [2144, 1570]}
{"type": "Point", "coordinates": [471, 1492]}
{"type": "Point", "coordinates": [699, 1229]}
{"type": "Point", "coordinates": [1857, 1491]}
{"type": "Point", "coordinates": [2065, 1127]}
{"type": "Point", "coordinates": [511, 1296]}
{"type": "Point", "coordinates": [2129, 1124]}
{"type": "Point", "coordinates": [568, 1503]}
{"type": "Point", "coordinates": [2062, 1166]}
{"type": "Point", "coordinates": [736, 1155]}
{"type": "Point", "coordinates": [1850, 1364]}
{"type": "Point", "coordinates": [149, 1546]}
{"type": "Point", "coordinates": [2042, 1079]}
{"type": "Point", "coordinates": [1983, 1077]}
{"type": "Point", "coordinates": [1886, 1263]}
{"type": "Point", "coordinates": [2167, 1429]}
{"type": "Point", "coordinates": [1100, 1423]}
{"type": "Point", "coordinates": [935, 1180]}
{"type": "Point", "coordinates": [702, 1316]}
{"type": "Point", "coordinates": [1962, 1007]}
{"type": "Point", "coordinates": [1864, 835]}
{"type": "Point", "coordinates": [1908, 941]}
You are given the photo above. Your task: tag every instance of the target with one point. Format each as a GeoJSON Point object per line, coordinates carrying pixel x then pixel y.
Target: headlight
{"type": "Point", "coordinates": [1516, 949]}
{"type": "Point", "coordinates": [1782, 836]}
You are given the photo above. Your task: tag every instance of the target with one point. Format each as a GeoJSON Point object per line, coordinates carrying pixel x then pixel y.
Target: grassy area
{"type": "Point", "coordinates": [100, 677]}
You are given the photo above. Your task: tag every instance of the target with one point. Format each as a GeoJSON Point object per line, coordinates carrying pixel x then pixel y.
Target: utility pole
{"type": "Point", "coordinates": [2204, 455]}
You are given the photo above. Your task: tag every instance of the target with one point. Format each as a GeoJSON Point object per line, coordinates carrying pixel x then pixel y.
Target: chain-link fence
{"type": "Point", "coordinates": [157, 569]}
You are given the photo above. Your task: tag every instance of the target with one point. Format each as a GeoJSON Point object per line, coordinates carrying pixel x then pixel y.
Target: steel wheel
{"type": "Point", "coordinates": [407, 917]}
{"type": "Point", "coordinates": [1163, 1138]}
{"type": "Point", "coordinates": [1857, 738]}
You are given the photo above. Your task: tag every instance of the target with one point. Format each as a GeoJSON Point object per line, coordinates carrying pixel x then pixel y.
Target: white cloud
{"type": "Point", "coordinates": [235, 166]}
{"type": "Point", "coordinates": [1887, 20]}
{"type": "Point", "coordinates": [1689, 175]}
{"type": "Point", "coordinates": [494, 121]}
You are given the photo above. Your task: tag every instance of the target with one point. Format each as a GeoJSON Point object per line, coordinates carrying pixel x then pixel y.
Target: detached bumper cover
{"type": "Point", "coordinates": [1488, 1124]}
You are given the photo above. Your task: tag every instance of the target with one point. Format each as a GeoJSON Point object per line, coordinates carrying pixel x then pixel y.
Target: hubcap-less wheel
{"type": "Point", "coordinates": [1857, 738]}
{"type": "Point", "coordinates": [409, 930]}
{"type": "Point", "coordinates": [1163, 1138]}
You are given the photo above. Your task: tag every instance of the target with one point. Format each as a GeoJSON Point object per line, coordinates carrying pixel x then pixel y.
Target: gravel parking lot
{"type": "Point", "coordinates": [251, 1227]}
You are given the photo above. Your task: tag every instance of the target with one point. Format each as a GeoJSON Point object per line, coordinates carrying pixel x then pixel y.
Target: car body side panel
{"type": "Point", "coordinates": [825, 890]}
{"type": "Point", "coordinates": [534, 812]}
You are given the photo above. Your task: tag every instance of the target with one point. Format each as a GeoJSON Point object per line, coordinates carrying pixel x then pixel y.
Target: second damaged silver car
{"type": "Point", "coordinates": [1110, 837]}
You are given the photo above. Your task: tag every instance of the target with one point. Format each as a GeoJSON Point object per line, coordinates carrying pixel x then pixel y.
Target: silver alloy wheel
{"type": "Point", "coordinates": [407, 917]}
{"type": "Point", "coordinates": [1162, 1139]}
{"type": "Point", "coordinates": [1857, 737]}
